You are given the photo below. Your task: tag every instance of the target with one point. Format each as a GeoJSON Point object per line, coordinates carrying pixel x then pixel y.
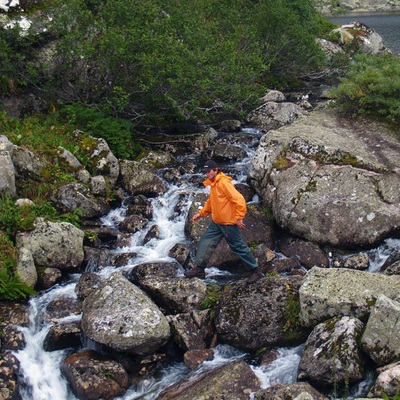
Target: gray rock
{"type": "Point", "coordinates": [140, 178]}
{"type": "Point", "coordinates": [7, 175]}
{"type": "Point", "coordinates": [331, 354]}
{"type": "Point", "coordinates": [54, 244]}
{"type": "Point", "coordinates": [121, 316]}
{"type": "Point", "coordinates": [387, 381]}
{"type": "Point", "coordinates": [329, 181]}
{"type": "Point", "coordinates": [225, 152]}
{"type": "Point", "coordinates": [232, 381]}
{"type": "Point", "coordinates": [331, 292]}
{"type": "Point", "coordinates": [265, 313]}
{"type": "Point", "coordinates": [272, 115]}
{"type": "Point", "coordinates": [381, 339]}
{"type": "Point", "coordinates": [175, 295]}
{"type": "Point", "coordinates": [27, 165]}
{"type": "Point", "coordinates": [192, 331]}
{"type": "Point", "coordinates": [292, 391]}
{"type": "Point", "coordinates": [73, 196]}
{"type": "Point", "coordinates": [274, 95]}
{"type": "Point", "coordinates": [26, 269]}
{"type": "Point", "coordinates": [101, 160]}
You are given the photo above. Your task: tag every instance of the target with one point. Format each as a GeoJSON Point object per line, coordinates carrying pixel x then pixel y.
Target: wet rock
{"type": "Point", "coordinates": [331, 355]}
{"type": "Point", "coordinates": [88, 281]}
{"type": "Point", "coordinates": [330, 292]}
{"type": "Point", "coordinates": [393, 269]}
{"type": "Point", "coordinates": [69, 197]}
{"type": "Point", "coordinates": [140, 205]}
{"type": "Point", "coordinates": [358, 261]}
{"type": "Point", "coordinates": [133, 223]}
{"type": "Point", "coordinates": [282, 265]}
{"type": "Point", "coordinates": [265, 313]}
{"type": "Point", "coordinates": [291, 391]}
{"type": "Point", "coordinates": [309, 254]}
{"type": "Point", "coordinates": [9, 373]}
{"type": "Point", "coordinates": [93, 376]}
{"type": "Point", "coordinates": [153, 233]}
{"type": "Point", "coordinates": [160, 269]}
{"type": "Point", "coordinates": [192, 331]}
{"type": "Point", "coordinates": [62, 336]}
{"type": "Point", "coordinates": [48, 277]}
{"type": "Point", "coordinates": [181, 253]}
{"type": "Point", "coordinates": [118, 314]}
{"type": "Point", "coordinates": [194, 358]}
{"type": "Point", "coordinates": [54, 244]}
{"type": "Point", "coordinates": [381, 339]}
{"type": "Point", "coordinates": [233, 381]}
{"type": "Point", "coordinates": [97, 259]}
{"type": "Point", "coordinates": [61, 308]}
{"type": "Point", "coordinates": [175, 295]}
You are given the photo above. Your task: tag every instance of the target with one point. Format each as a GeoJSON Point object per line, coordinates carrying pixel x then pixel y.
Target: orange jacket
{"type": "Point", "coordinates": [225, 204]}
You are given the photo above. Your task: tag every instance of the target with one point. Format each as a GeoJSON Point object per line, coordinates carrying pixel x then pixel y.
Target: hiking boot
{"type": "Point", "coordinates": [255, 276]}
{"type": "Point", "coordinates": [195, 273]}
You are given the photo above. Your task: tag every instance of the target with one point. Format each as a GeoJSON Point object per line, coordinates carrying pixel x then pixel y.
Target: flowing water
{"type": "Point", "coordinates": [40, 370]}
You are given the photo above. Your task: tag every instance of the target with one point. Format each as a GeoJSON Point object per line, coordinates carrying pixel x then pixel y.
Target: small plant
{"type": "Point", "coordinates": [11, 288]}
{"type": "Point", "coordinates": [214, 293]}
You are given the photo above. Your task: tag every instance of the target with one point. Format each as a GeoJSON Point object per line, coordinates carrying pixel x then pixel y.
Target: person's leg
{"type": "Point", "coordinates": [239, 247]}
{"type": "Point", "coordinates": [208, 242]}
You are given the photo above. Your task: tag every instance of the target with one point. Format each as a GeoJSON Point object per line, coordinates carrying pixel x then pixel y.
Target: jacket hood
{"type": "Point", "coordinates": [219, 177]}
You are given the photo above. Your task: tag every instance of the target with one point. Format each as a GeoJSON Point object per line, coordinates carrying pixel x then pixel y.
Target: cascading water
{"type": "Point", "coordinates": [41, 376]}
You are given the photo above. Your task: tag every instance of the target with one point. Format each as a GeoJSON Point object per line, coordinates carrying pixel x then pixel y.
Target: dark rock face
{"type": "Point", "coordinates": [93, 376]}
{"type": "Point", "coordinates": [265, 313]}
{"type": "Point", "coordinates": [232, 381]}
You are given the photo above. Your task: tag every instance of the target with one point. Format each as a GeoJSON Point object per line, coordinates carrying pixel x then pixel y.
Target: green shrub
{"type": "Point", "coordinates": [371, 87]}
{"type": "Point", "coordinates": [118, 132]}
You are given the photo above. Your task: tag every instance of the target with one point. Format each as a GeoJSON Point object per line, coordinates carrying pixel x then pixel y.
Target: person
{"type": "Point", "coordinates": [228, 208]}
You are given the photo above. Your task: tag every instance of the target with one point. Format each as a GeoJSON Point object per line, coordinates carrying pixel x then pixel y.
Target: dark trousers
{"type": "Point", "coordinates": [211, 238]}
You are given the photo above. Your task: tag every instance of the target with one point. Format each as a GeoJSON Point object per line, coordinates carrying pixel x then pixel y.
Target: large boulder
{"type": "Point", "coordinates": [272, 115]}
{"type": "Point", "coordinates": [232, 381]}
{"type": "Point", "coordinates": [332, 356]}
{"type": "Point", "coordinates": [54, 244]}
{"type": "Point", "coordinates": [331, 292]}
{"type": "Point", "coordinates": [73, 196]}
{"type": "Point", "coordinates": [265, 313]}
{"type": "Point", "coordinates": [121, 316]}
{"type": "Point", "coordinates": [139, 178]}
{"type": "Point", "coordinates": [329, 180]}
{"type": "Point", "coordinates": [101, 161]}
{"type": "Point", "coordinates": [298, 391]}
{"type": "Point", "coordinates": [381, 339]}
{"type": "Point", "coordinates": [175, 295]}
{"type": "Point", "coordinates": [93, 376]}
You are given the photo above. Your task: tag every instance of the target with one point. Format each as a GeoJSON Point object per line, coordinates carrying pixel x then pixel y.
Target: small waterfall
{"type": "Point", "coordinates": [42, 378]}
{"type": "Point", "coordinates": [40, 370]}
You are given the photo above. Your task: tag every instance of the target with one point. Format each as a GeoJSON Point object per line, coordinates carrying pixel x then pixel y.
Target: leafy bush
{"type": "Point", "coordinates": [118, 132]}
{"type": "Point", "coordinates": [156, 62]}
{"type": "Point", "coordinates": [371, 87]}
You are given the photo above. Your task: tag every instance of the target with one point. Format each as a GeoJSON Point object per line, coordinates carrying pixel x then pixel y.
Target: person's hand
{"type": "Point", "coordinates": [240, 224]}
{"type": "Point", "coordinates": [196, 217]}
